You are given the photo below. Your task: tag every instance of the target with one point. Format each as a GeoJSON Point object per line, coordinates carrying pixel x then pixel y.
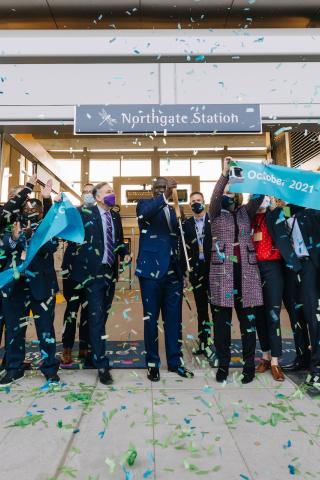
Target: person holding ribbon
{"type": "Point", "coordinates": [198, 238]}
{"type": "Point", "coordinates": [33, 289]}
{"type": "Point", "coordinates": [11, 212]}
{"type": "Point", "coordinates": [234, 275]}
{"type": "Point", "coordinates": [296, 230]}
{"type": "Point", "coordinates": [75, 298]}
{"type": "Point", "coordinates": [95, 269]}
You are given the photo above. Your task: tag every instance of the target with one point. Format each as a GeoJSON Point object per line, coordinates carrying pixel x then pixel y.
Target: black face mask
{"type": "Point", "coordinates": [34, 219]}
{"type": "Point", "coordinates": [227, 202]}
{"type": "Point", "coordinates": [197, 207]}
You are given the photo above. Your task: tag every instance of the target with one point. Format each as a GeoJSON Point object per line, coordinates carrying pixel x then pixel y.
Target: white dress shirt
{"type": "Point", "coordinates": [297, 238]}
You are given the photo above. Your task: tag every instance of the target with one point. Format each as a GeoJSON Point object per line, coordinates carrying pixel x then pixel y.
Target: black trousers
{"type": "Point", "coordinates": [308, 295]}
{"type": "Point", "coordinates": [99, 295]}
{"type": "Point", "coordinates": [268, 316]}
{"type": "Point", "coordinates": [75, 300]}
{"type": "Point", "coordinates": [200, 284]}
{"type": "Point", "coordinates": [16, 310]}
{"type": "Point", "coordinates": [293, 303]}
{"type": "Point", "coordinates": [222, 328]}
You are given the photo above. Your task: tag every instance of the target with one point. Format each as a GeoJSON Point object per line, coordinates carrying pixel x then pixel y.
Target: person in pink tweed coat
{"type": "Point", "coordinates": [234, 275]}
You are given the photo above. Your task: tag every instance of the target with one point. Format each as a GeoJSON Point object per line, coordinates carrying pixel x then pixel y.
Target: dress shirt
{"type": "Point", "coordinates": [199, 225]}
{"type": "Point", "coordinates": [297, 238]}
{"type": "Point", "coordinates": [102, 212]}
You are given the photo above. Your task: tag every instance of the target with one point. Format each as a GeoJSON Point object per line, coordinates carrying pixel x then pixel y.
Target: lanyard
{"type": "Point", "coordinates": [257, 226]}
{"type": "Point", "coordinates": [290, 229]}
{"type": "Point", "coordinates": [199, 234]}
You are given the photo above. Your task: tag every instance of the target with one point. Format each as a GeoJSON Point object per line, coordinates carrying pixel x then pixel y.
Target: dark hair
{"type": "Point", "coordinates": [97, 187]}
{"type": "Point", "coordinates": [196, 193]}
{"type": "Point", "coordinates": [87, 184]}
{"type": "Point", "coordinates": [35, 202]}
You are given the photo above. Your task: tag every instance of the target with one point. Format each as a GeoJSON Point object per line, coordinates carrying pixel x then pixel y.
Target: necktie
{"type": "Point", "coordinates": [109, 246]}
{"type": "Point", "coordinates": [167, 214]}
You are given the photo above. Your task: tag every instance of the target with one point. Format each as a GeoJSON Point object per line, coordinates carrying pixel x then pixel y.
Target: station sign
{"type": "Point", "coordinates": [177, 118]}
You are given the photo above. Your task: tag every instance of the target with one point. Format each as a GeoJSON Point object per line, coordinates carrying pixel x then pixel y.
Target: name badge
{"type": "Point", "coordinates": [257, 237]}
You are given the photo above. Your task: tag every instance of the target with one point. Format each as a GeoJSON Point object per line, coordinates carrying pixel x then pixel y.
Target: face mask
{"type": "Point", "coordinates": [266, 202]}
{"type": "Point", "coordinates": [109, 200]}
{"type": "Point", "coordinates": [197, 207]}
{"type": "Point", "coordinates": [88, 199]}
{"type": "Point", "coordinates": [227, 202]}
{"type": "Point", "coordinates": [33, 218]}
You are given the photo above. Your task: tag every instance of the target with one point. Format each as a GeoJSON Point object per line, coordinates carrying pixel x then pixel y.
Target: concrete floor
{"type": "Point", "coordinates": [181, 428]}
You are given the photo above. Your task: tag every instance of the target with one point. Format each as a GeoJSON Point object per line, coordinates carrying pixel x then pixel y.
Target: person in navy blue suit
{"type": "Point", "coordinates": [161, 278]}
{"type": "Point", "coordinates": [95, 269]}
{"type": "Point", "coordinates": [36, 290]}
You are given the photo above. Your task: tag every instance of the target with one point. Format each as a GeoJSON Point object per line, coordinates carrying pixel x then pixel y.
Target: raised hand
{"type": "Point", "coordinates": [33, 179]}
{"type": "Point", "coordinates": [58, 198]}
{"type": "Point", "coordinates": [16, 231]}
{"type": "Point", "coordinates": [226, 166]}
{"type": "Point", "coordinates": [28, 230]}
{"type": "Point", "coordinates": [171, 183]}
{"type": "Point", "coordinates": [46, 191]}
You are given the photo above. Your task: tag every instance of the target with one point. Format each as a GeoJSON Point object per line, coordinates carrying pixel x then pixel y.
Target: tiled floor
{"type": "Point", "coordinates": [180, 428]}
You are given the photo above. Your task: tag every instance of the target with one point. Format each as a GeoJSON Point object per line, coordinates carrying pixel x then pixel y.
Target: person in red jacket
{"type": "Point", "coordinates": [272, 277]}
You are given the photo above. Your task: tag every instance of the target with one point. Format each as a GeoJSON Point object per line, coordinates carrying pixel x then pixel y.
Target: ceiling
{"type": "Point", "coordinates": [127, 14]}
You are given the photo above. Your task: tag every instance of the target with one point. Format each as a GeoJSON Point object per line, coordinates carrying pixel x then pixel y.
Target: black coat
{"type": "Point", "coordinates": [309, 223]}
{"type": "Point", "coordinates": [84, 260]}
{"type": "Point", "coordinates": [190, 235]}
{"type": "Point", "coordinates": [42, 278]}
{"type": "Point", "coordinates": [158, 246]}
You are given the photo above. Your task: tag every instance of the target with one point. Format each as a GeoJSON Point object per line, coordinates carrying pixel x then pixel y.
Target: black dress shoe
{"type": "Point", "coordinates": [247, 375]}
{"type": "Point", "coordinates": [222, 374]}
{"type": "Point", "coordinates": [182, 371]}
{"type": "Point", "coordinates": [153, 374]}
{"type": "Point", "coordinates": [9, 378]}
{"type": "Point", "coordinates": [53, 378]}
{"type": "Point", "coordinates": [296, 366]}
{"type": "Point", "coordinates": [313, 381]}
{"type": "Point", "coordinates": [105, 376]}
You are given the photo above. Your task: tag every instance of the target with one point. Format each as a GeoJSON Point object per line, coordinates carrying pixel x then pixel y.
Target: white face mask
{"type": "Point", "coordinates": [266, 202]}
{"type": "Point", "coordinates": [88, 199]}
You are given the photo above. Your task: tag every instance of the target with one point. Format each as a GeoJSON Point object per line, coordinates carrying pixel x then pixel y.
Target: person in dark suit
{"type": "Point", "coordinates": [160, 277]}
{"type": "Point", "coordinates": [16, 198]}
{"type": "Point", "coordinates": [197, 233]}
{"type": "Point", "coordinates": [36, 290]}
{"type": "Point", "coordinates": [95, 269]}
{"type": "Point", "coordinates": [75, 298]}
{"type": "Point", "coordinates": [297, 236]}
{"type": "Point", "coordinates": [9, 213]}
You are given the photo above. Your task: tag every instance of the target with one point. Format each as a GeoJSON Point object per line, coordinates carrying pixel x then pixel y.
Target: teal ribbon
{"type": "Point", "coordinates": [299, 187]}
{"type": "Point", "coordinates": [62, 220]}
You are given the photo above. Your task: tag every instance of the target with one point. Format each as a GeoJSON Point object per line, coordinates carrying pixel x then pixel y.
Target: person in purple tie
{"type": "Point", "coordinates": [96, 267]}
